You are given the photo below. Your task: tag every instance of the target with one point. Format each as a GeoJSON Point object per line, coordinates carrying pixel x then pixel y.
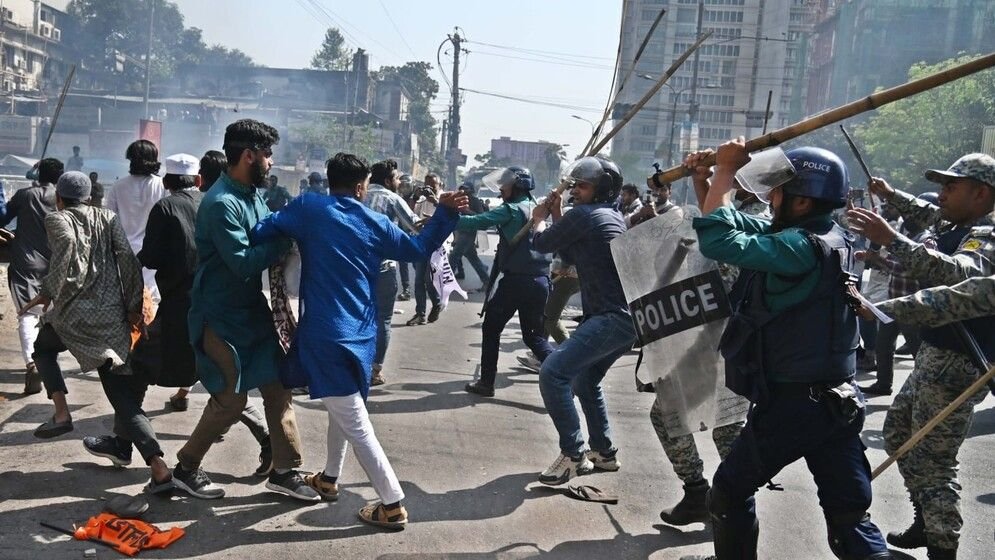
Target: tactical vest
{"type": "Point", "coordinates": [522, 260]}
{"type": "Point", "coordinates": [981, 328]}
{"type": "Point", "coordinates": [813, 341]}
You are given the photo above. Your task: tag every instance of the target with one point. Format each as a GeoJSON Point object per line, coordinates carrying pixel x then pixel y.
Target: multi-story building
{"type": "Point", "coordinates": [541, 157]}
{"type": "Point", "coordinates": [31, 51]}
{"type": "Point", "coordinates": [757, 47]}
{"type": "Point", "coordinates": [860, 45]}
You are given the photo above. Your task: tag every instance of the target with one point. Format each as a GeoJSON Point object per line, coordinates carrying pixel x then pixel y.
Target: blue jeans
{"type": "Point", "coordinates": [789, 427]}
{"type": "Point", "coordinates": [465, 246]}
{"type": "Point", "coordinates": [405, 270]}
{"type": "Point", "coordinates": [424, 287]}
{"type": "Point", "coordinates": [577, 368]}
{"type": "Point", "coordinates": [385, 295]}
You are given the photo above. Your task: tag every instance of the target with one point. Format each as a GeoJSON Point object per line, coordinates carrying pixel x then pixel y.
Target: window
{"type": "Point", "coordinates": [728, 66]}
{"type": "Point", "coordinates": [648, 130]}
{"type": "Point", "coordinates": [687, 15]}
{"type": "Point", "coordinates": [643, 145]}
{"type": "Point", "coordinates": [724, 16]}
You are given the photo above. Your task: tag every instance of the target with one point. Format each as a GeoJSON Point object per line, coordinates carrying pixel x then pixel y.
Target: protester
{"type": "Point", "coordinates": [629, 202]}
{"type": "Point", "coordinates": [790, 347]}
{"type": "Point", "coordinates": [428, 198]}
{"type": "Point", "coordinates": [212, 165]}
{"type": "Point", "coordinates": [75, 162]}
{"type": "Point", "coordinates": [94, 285]}
{"type": "Point", "coordinates": [96, 191]}
{"type": "Point", "coordinates": [465, 242]}
{"type": "Point", "coordinates": [336, 341]}
{"type": "Point", "coordinates": [962, 227]}
{"type": "Point", "coordinates": [577, 367]}
{"type": "Point", "coordinates": [315, 184]}
{"type": "Point", "coordinates": [231, 326]}
{"type": "Point", "coordinates": [524, 284]}
{"type": "Point", "coordinates": [405, 189]}
{"type": "Point", "coordinates": [132, 197]}
{"type": "Point", "coordinates": [382, 199]}
{"type": "Point", "coordinates": [29, 257]}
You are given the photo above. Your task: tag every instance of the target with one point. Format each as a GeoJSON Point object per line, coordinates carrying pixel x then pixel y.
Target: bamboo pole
{"type": "Point", "coordinates": [649, 94]}
{"type": "Point", "coordinates": [625, 120]}
{"type": "Point", "coordinates": [614, 95]}
{"type": "Point", "coordinates": [842, 112]}
{"type": "Point", "coordinates": [58, 109]}
{"type": "Point", "coordinates": [940, 417]}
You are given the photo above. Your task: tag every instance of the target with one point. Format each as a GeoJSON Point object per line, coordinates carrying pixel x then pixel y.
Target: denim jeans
{"type": "Point", "coordinates": [405, 271]}
{"type": "Point", "coordinates": [564, 288]}
{"type": "Point", "coordinates": [424, 286]}
{"type": "Point", "coordinates": [465, 246]}
{"type": "Point", "coordinates": [385, 295]}
{"type": "Point", "coordinates": [577, 368]}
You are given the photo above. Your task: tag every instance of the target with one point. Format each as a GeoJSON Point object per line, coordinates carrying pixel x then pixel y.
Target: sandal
{"type": "Point", "coordinates": [53, 429]}
{"type": "Point", "coordinates": [328, 490]}
{"type": "Point", "coordinates": [377, 514]}
{"type": "Point", "coordinates": [591, 494]}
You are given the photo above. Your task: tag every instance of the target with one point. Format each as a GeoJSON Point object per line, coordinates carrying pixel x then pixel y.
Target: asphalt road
{"type": "Point", "coordinates": [468, 466]}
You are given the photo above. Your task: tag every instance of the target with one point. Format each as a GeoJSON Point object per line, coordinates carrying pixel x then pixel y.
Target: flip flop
{"type": "Point", "coordinates": [53, 429]}
{"type": "Point", "coordinates": [591, 494]}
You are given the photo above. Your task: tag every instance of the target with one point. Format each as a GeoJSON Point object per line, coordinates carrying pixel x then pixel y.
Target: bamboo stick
{"type": "Point", "coordinates": [940, 417]}
{"type": "Point", "coordinates": [842, 112]}
{"type": "Point", "coordinates": [58, 109]}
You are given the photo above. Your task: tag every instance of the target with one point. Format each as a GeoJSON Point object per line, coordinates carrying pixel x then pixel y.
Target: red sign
{"type": "Point", "coordinates": [151, 131]}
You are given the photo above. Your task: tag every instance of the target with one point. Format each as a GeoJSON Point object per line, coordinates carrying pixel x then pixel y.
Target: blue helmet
{"type": "Point", "coordinates": [523, 178]}
{"type": "Point", "coordinates": [930, 197]}
{"type": "Point", "coordinates": [819, 174]}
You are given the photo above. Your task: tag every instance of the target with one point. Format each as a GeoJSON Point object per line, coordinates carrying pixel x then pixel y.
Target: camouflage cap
{"type": "Point", "coordinates": [980, 167]}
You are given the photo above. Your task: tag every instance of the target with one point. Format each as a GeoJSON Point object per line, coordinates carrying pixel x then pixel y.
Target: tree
{"type": "Point", "coordinates": [326, 136]}
{"type": "Point", "coordinates": [333, 54]}
{"type": "Point", "coordinates": [929, 130]}
{"type": "Point", "coordinates": [487, 159]}
{"type": "Point", "coordinates": [416, 79]}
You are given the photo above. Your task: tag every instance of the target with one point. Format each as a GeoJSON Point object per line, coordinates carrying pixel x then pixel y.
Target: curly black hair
{"type": "Point", "coordinates": [248, 134]}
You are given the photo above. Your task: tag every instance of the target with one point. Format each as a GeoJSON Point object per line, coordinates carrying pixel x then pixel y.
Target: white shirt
{"type": "Point", "coordinates": [131, 198]}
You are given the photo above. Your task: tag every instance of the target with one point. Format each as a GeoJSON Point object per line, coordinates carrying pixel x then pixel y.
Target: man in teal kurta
{"type": "Point", "coordinates": [231, 326]}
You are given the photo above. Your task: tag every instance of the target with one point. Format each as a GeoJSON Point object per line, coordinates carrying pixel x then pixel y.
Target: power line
{"type": "Point", "coordinates": [394, 25]}
{"type": "Point", "coordinates": [533, 101]}
{"type": "Point", "coordinates": [538, 52]}
{"type": "Point", "coordinates": [574, 65]}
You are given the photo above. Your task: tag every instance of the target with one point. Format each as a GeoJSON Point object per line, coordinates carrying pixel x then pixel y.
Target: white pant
{"type": "Point", "coordinates": [27, 329]}
{"type": "Point", "coordinates": [349, 422]}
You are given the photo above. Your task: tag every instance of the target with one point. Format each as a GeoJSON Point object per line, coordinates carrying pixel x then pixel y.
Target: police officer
{"type": "Point", "coordinates": [962, 246]}
{"type": "Point", "coordinates": [790, 347]}
{"type": "Point", "coordinates": [524, 284]}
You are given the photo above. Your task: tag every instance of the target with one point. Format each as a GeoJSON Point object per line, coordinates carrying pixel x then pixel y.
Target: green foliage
{"type": "Point", "coordinates": [416, 79]}
{"type": "Point", "coordinates": [97, 28]}
{"type": "Point", "coordinates": [929, 130]}
{"type": "Point", "coordinates": [488, 160]}
{"type": "Point", "coordinates": [333, 54]}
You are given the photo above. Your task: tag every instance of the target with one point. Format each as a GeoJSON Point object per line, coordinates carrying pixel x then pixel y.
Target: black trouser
{"type": "Point", "coordinates": [884, 348]}
{"type": "Point", "coordinates": [525, 295]}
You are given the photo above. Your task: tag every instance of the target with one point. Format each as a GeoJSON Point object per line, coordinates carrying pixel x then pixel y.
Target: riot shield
{"type": "Point", "coordinates": [679, 306]}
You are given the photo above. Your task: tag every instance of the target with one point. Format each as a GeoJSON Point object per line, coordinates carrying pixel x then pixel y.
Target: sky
{"type": "Point", "coordinates": [554, 51]}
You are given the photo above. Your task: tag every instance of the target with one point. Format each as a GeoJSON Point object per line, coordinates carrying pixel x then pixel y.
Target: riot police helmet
{"type": "Point", "coordinates": [819, 174]}
{"type": "Point", "coordinates": [600, 172]}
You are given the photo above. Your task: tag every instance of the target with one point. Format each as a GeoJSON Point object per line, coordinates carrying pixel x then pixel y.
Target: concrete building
{"type": "Point", "coordinates": [31, 50]}
{"type": "Point", "coordinates": [539, 156]}
{"type": "Point", "coordinates": [757, 46]}
{"type": "Point", "coordinates": [860, 45]}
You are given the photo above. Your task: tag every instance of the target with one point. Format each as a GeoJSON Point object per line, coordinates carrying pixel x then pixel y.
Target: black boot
{"type": "Point", "coordinates": [691, 509]}
{"type": "Point", "coordinates": [914, 536]}
{"type": "Point", "coordinates": [935, 553]}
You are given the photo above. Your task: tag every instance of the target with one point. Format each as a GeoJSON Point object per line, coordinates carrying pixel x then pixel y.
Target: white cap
{"type": "Point", "coordinates": [182, 164]}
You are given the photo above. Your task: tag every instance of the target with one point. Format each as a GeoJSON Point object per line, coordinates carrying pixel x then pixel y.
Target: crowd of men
{"type": "Point", "coordinates": [162, 283]}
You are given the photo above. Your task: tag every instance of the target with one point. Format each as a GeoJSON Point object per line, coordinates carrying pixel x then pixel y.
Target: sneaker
{"type": "Point", "coordinates": [328, 490]}
{"type": "Point", "coordinates": [418, 319]}
{"type": "Point", "coordinates": [433, 314]}
{"type": "Point", "coordinates": [109, 447]}
{"type": "Point", "coordinates": [300, 391]}
{"type": "Point", "coordinates": [530, 363]}
{"type": "Point", "coordinates": [265, 461]}
{"type": "Point", "coordinates": [196, 483]}
{"type": "Point", "coordinates": [478, 389]}
{"type": "Point", "coordinates": [605, 460]}
{"type": "Point", "coordinates": [904, 350]}
{"type": "Point", "coordinates": [292, 484]}
{"type": "Point", "coordinates": [377, 379]}
{"type": "Point", "coordinates": [163, 487]}
{"type": "Point", "coordinates": [405, 295]}
{"type": "Point", "coordinates": [564, 468]}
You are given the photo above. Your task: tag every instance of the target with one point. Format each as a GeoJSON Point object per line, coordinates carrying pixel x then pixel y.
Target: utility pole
{"type": "Point", "coordinates": [445, 135]}
{"type": "Point", "coordinates": [693, 105]}
{"type": "Point", "coordinates": [453, 152]}
{"type": "Point", "coordinates": [148, 59]}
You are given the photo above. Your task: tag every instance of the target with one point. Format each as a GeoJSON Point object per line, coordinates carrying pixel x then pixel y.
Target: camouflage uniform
{"type": "Point", "coordinates": [938, 306]}
{"type": "Point", "coordinates": [682, 450]}
{"type": "Point", "coordinates": [939, 376]}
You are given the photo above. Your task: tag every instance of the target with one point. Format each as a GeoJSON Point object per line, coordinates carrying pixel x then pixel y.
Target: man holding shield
{"type": "Point", "coordinates": [790, 347]}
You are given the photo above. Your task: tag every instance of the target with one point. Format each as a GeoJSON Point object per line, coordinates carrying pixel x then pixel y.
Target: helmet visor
{"type": "Point", "coordinates": [499, 178]}
{"type": "Point", "coordinates": [584, 170]}
{"type": "Point", "coordinates": [766, 171]}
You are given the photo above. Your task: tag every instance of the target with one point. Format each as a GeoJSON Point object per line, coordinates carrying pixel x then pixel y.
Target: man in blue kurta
{"type": "Point", "coordinates": [343, 244]}
{"type": "Point", "coordinates": [231, 326]}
